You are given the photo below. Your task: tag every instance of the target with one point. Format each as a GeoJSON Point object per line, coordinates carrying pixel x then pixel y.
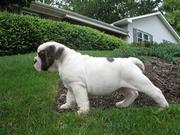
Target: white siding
{"type": "Point", "coordinates": [153, 26]}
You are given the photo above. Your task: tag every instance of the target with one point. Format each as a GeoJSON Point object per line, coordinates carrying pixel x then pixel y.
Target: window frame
{"type": "Point", "coordinates": [139, 39]}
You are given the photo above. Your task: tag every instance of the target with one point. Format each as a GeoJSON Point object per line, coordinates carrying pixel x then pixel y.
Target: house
{"type": "Point", "coordinates": [146, 28]}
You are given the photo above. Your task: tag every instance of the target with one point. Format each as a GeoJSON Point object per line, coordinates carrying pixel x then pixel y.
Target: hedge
{"type": "Point", "coordinates": [23, 34]}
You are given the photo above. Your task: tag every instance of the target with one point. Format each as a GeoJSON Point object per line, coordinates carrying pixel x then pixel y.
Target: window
{"type": "Point", "coordinates": [166, 41]}
{"type": "Point", "coordinates": [140, 36]}
{"type": "Point", "coordinates": [146, 37]}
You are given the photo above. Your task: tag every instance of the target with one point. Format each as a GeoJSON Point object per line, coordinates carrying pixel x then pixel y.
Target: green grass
{"type": "Point", "coordinates": [26, 107]}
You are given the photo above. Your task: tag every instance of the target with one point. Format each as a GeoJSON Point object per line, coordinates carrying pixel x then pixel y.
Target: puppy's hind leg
{"type": "Point", "coordinates": [143, 84]}
{"type": "Point", "coordinates": [130, 96]}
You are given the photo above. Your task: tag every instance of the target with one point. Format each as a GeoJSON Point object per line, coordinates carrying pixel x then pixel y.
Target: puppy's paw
{"type": "Point", "coordinates": [81, 111]}
{"type": "Point", "coordinates": [122, 104]}
{"type": "Point", "coordinates": [65, 106]}
{"type": "Point", "coordinates": [164, 104]}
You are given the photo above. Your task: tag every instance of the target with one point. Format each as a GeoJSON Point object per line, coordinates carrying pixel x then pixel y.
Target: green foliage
{"type": "Point", "coordinates": [110, 10]}
{"type": "Point", "coordinates": [48, 1]}
{"type": "Point", "coordinates": [172, 10]}
{"type": "Point", "coordinates": [7, 3]}
{"type": "Point", "coordinates": [163, 51]}
{"type": "Point", "coordinates": [23, 34]}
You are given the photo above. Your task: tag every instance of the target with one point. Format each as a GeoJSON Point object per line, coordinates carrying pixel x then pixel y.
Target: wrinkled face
{"type": "Point", "coordinates": [46, 58]}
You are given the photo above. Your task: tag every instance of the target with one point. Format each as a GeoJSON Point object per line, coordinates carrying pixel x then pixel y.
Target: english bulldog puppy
{"type": "Point", "coordinates": [83, 75]}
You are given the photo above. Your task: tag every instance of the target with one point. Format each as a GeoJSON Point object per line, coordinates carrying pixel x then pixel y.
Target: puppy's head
{"type": "Point", "coordinates": [47, 55]}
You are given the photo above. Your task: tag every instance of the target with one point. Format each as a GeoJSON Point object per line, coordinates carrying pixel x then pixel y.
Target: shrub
{"type": "Point", "coordinates": [164, 51]}
{"type": "Point", "coordinates": [23, 34]}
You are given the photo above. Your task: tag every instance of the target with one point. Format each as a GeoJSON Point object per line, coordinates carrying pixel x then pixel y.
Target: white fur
{"type": "Point", "coordinates": [83, 75]}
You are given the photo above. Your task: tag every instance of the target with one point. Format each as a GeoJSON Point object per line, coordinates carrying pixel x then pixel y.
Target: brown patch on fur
{"type": "Point", "coordinates": [110, 59]}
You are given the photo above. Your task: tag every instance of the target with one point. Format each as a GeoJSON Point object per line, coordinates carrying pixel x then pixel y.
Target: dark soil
{"type": "Point", "coordinates": [165, 75]}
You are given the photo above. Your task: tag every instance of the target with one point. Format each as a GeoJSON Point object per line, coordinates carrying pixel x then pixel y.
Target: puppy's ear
{"type": "Point", "coordinates": [59, 52]}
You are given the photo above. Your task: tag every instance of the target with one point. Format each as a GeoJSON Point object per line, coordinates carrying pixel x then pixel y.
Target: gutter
{"type": "Point", "coordinates": [113, 29]}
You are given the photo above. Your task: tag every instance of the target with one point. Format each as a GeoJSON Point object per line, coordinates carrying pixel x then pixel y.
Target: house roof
{"type": "Point", "coordinates": [61, 13]}
{"type": "Point", "coordinates": [160, 16]}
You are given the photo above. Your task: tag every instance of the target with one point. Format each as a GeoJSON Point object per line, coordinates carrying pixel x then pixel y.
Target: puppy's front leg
{"type": "Point", "coordinates": [81, 97]}
{"type": "Point", "coordinates": [70, 100]}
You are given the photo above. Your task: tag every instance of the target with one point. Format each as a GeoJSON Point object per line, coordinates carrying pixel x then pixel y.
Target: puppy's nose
{"type": "Point", "coordinates": [35, 60]}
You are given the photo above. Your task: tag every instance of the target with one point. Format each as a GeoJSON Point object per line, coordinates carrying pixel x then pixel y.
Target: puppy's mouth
{"type": "Point", "coordinates": [37, 65]}
{"type": "Point", "coordinates": [35, 61]}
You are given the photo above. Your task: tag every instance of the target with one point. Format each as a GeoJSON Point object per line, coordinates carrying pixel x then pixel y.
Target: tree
{"type": "Point", "coordinates": [110, 10]}
{"type": "Point", "coordinates": [46, 1]}
{"type": "Point", "coordinates": [172, 13]}
{"type": "Point", "coordinates": [4, 4]}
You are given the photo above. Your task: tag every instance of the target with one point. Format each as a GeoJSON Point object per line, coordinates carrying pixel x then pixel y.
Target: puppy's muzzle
{"type": "Point", "coordinates": [37, 64]}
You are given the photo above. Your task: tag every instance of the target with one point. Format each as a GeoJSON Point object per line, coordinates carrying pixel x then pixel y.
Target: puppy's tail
{"type": "Point", "coordinates": [137, 62]}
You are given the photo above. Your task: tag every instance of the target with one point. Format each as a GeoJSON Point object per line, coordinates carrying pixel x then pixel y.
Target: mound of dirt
{"type": "Point", "coordinates": [165, 75]}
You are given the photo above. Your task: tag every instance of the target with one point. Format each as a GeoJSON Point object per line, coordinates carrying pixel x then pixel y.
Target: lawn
{"type": "Point", "coordinates": [26, 107]}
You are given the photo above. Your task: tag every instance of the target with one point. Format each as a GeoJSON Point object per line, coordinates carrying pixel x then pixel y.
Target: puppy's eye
{"type": "Point", "coordinates": [40, 53]}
